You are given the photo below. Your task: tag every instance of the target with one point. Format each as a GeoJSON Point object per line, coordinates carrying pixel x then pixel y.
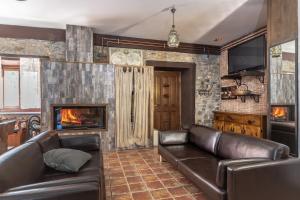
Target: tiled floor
{"type": "Point", "coordinates": [138, 175]}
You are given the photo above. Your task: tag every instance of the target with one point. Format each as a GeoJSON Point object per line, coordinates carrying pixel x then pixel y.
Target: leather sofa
{"type": "Point", "coordinates": [228, 166]}
{"type": "Point", "coordinates": [24, 176]}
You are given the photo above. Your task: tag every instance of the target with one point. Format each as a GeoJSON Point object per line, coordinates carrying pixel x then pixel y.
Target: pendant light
{"type": "Point", "coordinates": [173, 38]}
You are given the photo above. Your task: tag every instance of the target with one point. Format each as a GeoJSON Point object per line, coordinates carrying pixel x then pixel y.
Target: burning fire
{"type": "Point", "coordinates": [278, 112]}
{"type": "Point", "coordinates": [70, 116]}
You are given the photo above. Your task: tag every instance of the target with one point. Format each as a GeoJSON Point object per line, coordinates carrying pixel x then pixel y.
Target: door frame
{"type": "Point", "coordinates": [188, 87]}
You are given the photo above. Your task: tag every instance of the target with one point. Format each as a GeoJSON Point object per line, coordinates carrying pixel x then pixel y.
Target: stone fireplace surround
{"type": "Point", "coordinates": [79, 81]}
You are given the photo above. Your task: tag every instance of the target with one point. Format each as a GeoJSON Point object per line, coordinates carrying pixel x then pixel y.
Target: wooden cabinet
{"type": "Point", "coordinates": [247, 124]}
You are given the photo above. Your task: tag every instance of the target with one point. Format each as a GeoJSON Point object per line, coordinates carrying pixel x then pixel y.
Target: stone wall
{"type": "Point", "coordinates": [79, 83]}
{"type": "Point", "coordinates": [54, 50]}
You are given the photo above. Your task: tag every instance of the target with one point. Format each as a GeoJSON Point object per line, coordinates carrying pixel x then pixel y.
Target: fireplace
{"type": "Point", "coordinates": [79, 117]}
{"type": "Point", "coordinates": [282, 113]}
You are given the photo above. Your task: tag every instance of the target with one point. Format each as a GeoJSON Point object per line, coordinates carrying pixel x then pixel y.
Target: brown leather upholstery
{"type": "Point", "coordinates": [90, 142]}
{"type": "Point", "coordinates": [235, 146]}
{"type": "Point", "coordinates": [221, 178]}
{"type": "Point", "coordinates": [174, 153]}
{"type": "Point", "coordinates": [216, 162]}
{"type": "Point", "coordinates": [47, 140]}
{"type": "Point", "coordinates": [173, 137]}
{"type": "Point", "coordinates": [275, 180]}
{"type": "Point", "coordinates": [20, 166]}
{"type": "Point", "coordinates": [26, 177]}
{"type": "Point", "coordinates": [203, 171]}
{"type": "Point", "coordinates": [78, 191]}
{"type": "Point", "coordinates": [205, 138]}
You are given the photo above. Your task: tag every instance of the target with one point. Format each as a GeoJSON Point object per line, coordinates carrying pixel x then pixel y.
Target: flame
{"type": "Point", "coordinates": [70, 116]}
{"type": "Point", "coordinates": [278, 112]}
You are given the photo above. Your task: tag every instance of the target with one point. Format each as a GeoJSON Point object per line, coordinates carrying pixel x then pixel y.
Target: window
{"type": "Point", "coordinates": [20, 85]}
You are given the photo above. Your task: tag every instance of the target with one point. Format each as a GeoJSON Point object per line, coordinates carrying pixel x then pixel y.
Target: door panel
{"type": "Point", "coordinates": [167, 100]}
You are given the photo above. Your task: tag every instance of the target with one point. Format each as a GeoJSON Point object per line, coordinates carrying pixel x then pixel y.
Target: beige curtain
{"type": "Point", "coordinates": [134, 106]}
{"type": "Point", "coordinates": [123, 79]}
{"type": "Point", "coordinates": [142, 121]}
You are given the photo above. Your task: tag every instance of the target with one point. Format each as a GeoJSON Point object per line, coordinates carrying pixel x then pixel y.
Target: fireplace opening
{"type": "Point", "coordinates": [79, 117]}
{"type": "Point", "coordinates": [282, 113]}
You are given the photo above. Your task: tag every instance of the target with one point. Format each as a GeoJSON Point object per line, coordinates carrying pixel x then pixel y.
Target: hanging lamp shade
{"type": "Point", "coordinates": [173, 38]}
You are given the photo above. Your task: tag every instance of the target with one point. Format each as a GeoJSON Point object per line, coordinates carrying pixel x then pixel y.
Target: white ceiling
{"type": "Point", "coordinates": [197, 21]}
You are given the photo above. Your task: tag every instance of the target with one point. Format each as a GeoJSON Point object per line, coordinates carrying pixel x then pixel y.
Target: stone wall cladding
{"type": "Point", "coordinates": [51, 49]}
{"type": "Point", "coordinates": [79, 44]}
{"type": "Point", "coordinates": [79, 83]}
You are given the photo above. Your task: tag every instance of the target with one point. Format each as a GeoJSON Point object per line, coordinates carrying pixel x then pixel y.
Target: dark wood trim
{"type": "Point", "coordinates": [51, 34]}
{"type": "Point", "coordinates": [188, 74]}
{"type": "Point", "coordinates": [180, 65]}
{"type": "Point", "coordinates": [20, 110]}
{"type": "Point", "coordinates": [149, 44]}
{"type": "Point", "coordinates": [13, 56]}
{"type": "Point", "coordinates": [245, 38]}
{"type": "Point", "coordinates": [25, 32]}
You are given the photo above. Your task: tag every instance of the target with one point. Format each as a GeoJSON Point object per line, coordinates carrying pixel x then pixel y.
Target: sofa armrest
{"type": "Point", "coordinates": [221, 178]}
{"type": "Point", "coordinates": [173, 137]}
{"type": "Point", "coordinates": [87, 191]}
{"type": "Point", "coordinates": [86, 142]}
{"type": "Point", "coordinates": [59, 182]}
{"type": "Point", "coordinates": [274, 180]}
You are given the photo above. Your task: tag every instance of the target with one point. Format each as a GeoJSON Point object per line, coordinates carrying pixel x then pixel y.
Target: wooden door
{"type": "Point", "coordinates": [167, 100]}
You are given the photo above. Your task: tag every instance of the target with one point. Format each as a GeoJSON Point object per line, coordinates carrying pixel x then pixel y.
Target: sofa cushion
{"type": "Point", "coordinates": [20, 166]}
{"type": "Point", "coordinates": [204, 137]}
{"type": "Point", "coordinates": [67, 160]}
{"type": "Point", "coordinates": [174, 153]}
{"type": "Point", "coordinates": [47, 140]}
{"type": "Point", "coordinates": [236, 146]}
{"type": "Point", "coordinates": [173, 137]}
{"type": "Point", "coordinates": [203, 171]}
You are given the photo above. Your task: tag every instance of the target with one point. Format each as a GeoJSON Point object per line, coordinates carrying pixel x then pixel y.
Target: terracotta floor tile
{"type": "Point", "coordinates": [137, 187]}
{"type": "Point", "coordinates": [170, 183]}
{"type": "Point", "coordinates": [192, 189]}
{"type": "Point", "coordinates": [139, 175]}
{"type": "Point", "coordinates": [184, 181]}
{"type": "Point", "coordinates": [164, 176]}
{"type": "Point", "coordinates": [178, 191]}
{"type": "Point", "coordinates": [131, 173]}
{"type": "Point", "coordinates": [154, 185]}
{"type": "Point", "coordinates": [118, 181]}
{"type": "Point", "coordinates": [149, 178]}
{"type": "Point", "coordinates": [184, 198]}
{"type": "Point", "coordinates": [121, 189]}
{"type": "Point", "coordinates": [160, 194]}
{"type": "Point", "coordinates": [121, 197]}
{"type": "Point", "coordinates": [142, 196]}
{"type": "Point", "coordinates": [145, 171]}
{"type": "Point", "coordinates": [117, 175]}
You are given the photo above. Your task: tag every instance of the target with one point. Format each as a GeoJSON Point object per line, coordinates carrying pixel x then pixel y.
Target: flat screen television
{"type": "Point", "coordinates": [247, 56]}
